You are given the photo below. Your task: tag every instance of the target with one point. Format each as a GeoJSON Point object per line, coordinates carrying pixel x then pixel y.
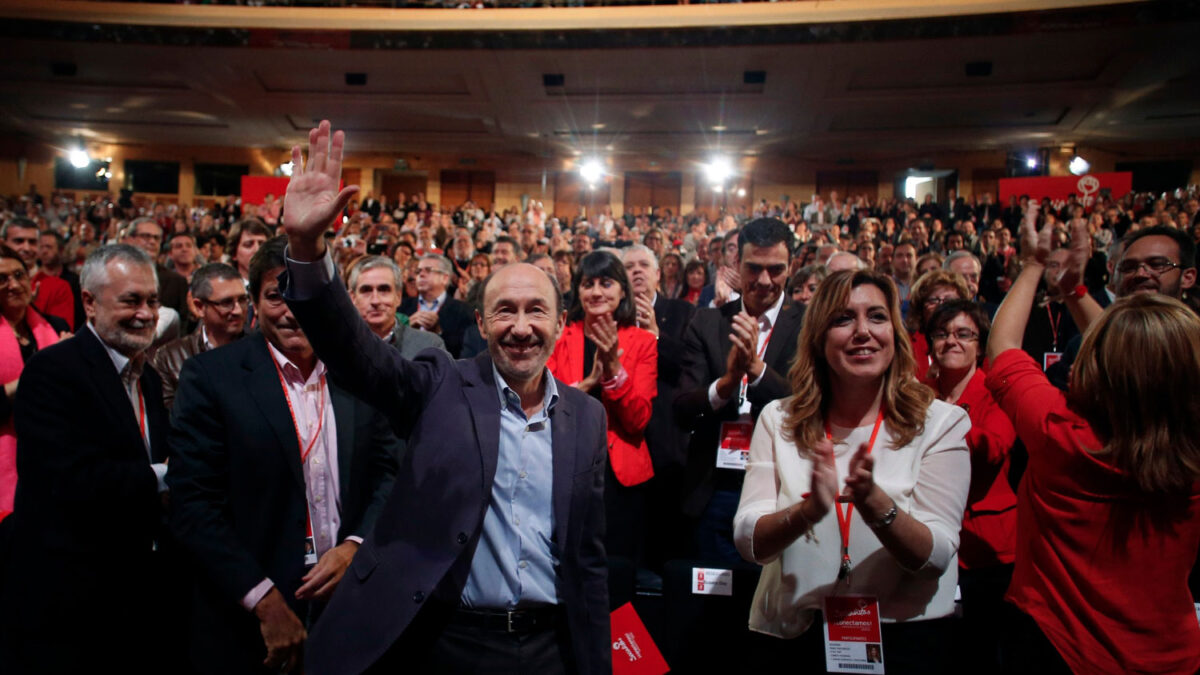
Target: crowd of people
{"type": "Point", "coordinates": [458, 418]}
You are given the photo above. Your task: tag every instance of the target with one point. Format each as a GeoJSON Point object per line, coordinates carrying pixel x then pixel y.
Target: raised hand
{"type": "Point", "coordinates": [313, 202]}
{"type": "Point", "coordinates": [1081, 249]}
{"type": "Point", "coordinates": [1035, 245]}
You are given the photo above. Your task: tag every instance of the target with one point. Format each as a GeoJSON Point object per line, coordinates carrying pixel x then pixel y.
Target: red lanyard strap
{"type": "Point", "coordinates": [1054, 321]}
{"type": "Point", "coordinates": [304, 450]}
{"type": "Point", "coordinates": [844, 517]}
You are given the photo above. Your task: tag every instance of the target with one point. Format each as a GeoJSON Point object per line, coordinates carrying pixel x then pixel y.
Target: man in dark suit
{"type": "Point", "coordinates": [371, 206]}
{"type": "Point", "coordinates": [433, 309]}
{"type": "Point", "coordinates": [490, 550]}
{"type": "Point", "coordinates": [271, 459]}
{"type": "Point", "coordinates": [735, 361]}
{"type": "Point", "coordinates": [86, 560]}
{"type": "Point", "coordinates": [667, 319]}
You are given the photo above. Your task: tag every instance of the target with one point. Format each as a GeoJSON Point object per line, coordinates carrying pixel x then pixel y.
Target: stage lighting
{"type": "Point", "coordinates": [741, 192]}
{"type": "Point", "coordinates": [591, 171]}
{"type": "Point", "coordinates": [1031, 162]}
{"type": "Point", "coordinates": [286, 169]}
{"type": "Point", "coordinates": [718, 170]}
{"type": "Point", "coordinates": [79, 158]}
{"type": "Point", "coordinates": [1079, 166]}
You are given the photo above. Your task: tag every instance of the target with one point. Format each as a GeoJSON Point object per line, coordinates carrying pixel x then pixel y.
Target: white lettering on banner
{"type": "Point", "coordinates": [620, 646]}
{"type": "Point", "coordinates": [711, 581]}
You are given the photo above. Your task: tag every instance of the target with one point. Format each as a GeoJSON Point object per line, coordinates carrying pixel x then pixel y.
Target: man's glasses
{"type": "Point", "coordinates": [228, 304]}
{"type": "Point", "coordinates": [962, 335]}
{"type": "Point", "coordinates": [1154, 266]}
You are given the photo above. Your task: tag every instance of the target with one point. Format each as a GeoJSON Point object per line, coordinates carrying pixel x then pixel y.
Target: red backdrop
{"type": "Point", "coordinates": [255, 188]}
{"type": "Point", "coordinates": [1086, 188]}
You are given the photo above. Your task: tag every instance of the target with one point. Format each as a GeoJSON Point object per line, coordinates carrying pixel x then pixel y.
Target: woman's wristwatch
{"type": "Point", "coordinates": [884, 520]}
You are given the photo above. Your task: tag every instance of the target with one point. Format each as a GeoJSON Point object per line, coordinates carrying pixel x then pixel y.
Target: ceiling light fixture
{"type": "Point", "coordinates": [1079, 166]}
{"type": "Point", "coordinates": [719, 127]}
{"type": "Point", "coordinates": [718, 170]}
{"type": "Point", "coordinates": [598, 126]}
{"type": "Point", "coordinates": [286, 169]}
{"type": "Point", "coordinates": [591, 171]}
{"type": "Point", "coordinates": [79, 158]}
{"type": "Point", "coordinates": [1031, 162]}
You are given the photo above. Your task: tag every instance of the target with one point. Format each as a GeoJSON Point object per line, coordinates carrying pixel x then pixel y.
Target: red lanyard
{"type": "Point", "coordinates": [746, 378]}
{"type": "Point", "coordinates": [141, 410]}
{"type": "Point", "coordinates": [304, 451]}
{"type": "Point", "coordinates": [844, 517]}
{"type": "Point", "coordinates": [1054, 321]}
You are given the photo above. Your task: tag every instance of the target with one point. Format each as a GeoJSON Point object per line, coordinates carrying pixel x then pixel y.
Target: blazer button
{"type": "Point", "coordinates": [462, 537]}
{"type": "Point", "coordinates": [418, 597]}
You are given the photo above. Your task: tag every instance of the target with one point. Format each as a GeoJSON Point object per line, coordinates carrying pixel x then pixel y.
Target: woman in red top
{"type": "Point", "coordinates": [604, 353]}
{"type": "Point", "coordinates": [1109, 508]}
{"type": "Point", "coordinates": [957, 331]}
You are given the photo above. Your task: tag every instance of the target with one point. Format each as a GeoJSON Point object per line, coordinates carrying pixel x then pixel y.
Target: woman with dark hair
{"type": "Point", "coordinates": [604, 353]}
{"type": "Point", "coordinates": [1109, 508]}
{"type": "Point", "coordinates": [695, 278]}
{"type": "Point", "coordinates": [860, 439]}
{"type": "Point", "coordinates": [804, 283]}
{"type": "Point", "coordinates": [23, 332]}
{"type": "Point", "coordinates": [957, 332]}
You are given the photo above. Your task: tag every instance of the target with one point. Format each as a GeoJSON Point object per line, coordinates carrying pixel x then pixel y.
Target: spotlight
{"type": "Point", "coordinates": [1031, 162]}
{"type": "Point", "coordinates": [286, 169]}
{"type": "Point", "coordinates": [591, 171]}
{"type": "Point", "coordinates": [741, 192]}
{"type": "Point", "coordinates": [79, 158]}
{"type": "Point", "coordinates": [718, 170]}
{"type": "Point", "coordinates": [1079, 166]}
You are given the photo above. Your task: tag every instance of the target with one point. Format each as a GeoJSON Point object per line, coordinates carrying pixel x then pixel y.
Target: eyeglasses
{"type": "Point", "coordinates": [1154, 266]}
{"type": "Point", "coordinates": [19, 275]}
{"type": "Point", "coordinates": [227, 304]}
{"type": "Point", "coordinates": [935, 301]}
{"type": "Point", "coordinates": [962, 335]}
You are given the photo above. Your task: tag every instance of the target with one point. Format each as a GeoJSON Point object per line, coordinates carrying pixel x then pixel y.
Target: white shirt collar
{"type": "Point", "coordinates": [120, 361]}
{"type": "Point", "coordinates": [283, 362]}
{"type": "Point", "coordinates": [769, 317]}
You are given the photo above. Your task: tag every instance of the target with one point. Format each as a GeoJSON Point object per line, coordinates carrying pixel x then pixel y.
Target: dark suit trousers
{"type": "Point", "coordinates": [435, 645]}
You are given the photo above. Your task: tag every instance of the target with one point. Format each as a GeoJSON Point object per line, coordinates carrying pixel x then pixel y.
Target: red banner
{"type": "Point", "coordinates": [1085, 188]}
{"type": "Point", "coordinates": [255, 188]}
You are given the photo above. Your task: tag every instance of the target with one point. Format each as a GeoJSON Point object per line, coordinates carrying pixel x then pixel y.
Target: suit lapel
{"type": "Point", "coordinates": [566, 453]}
{"type": "Point", "coordinates": [106, 379]}
{"type": "Point", "coordinates": [724, 346]}
{"type": "Point", "coordinates": [485, 412]}
{"type": "Point", "coordinates": [786, 326]}
{"type": "Point", "coordinates": [343, 414]}
{"type": "Point", "coordinates": [262, 381]}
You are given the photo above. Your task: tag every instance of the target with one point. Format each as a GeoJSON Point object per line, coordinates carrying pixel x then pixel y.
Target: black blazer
{"type": "Point", "coordinates": [238, 492]}
{"type": "Point", "coordinates": [425, 539]}
{"type": "Point", "coordinates": [705, 353]}
{"type": "Point", "coordinates": [455, 316]}
{"type": "Point", "coordinates": [86, 516]}
{"type": "Point", "coordinates": [666, 440]}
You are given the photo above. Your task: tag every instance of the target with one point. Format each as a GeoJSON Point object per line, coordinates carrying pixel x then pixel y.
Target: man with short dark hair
{"type": "Point", "coordinates": [735, 361]}
{"type": "Point", "coordinates": [505, 251]}
{"type": "Point", "coordinates": [181, 249]}
{"type": "Point", "coordinates": [51, 295]}
{"type": "Point", "coordinates": [218, 301]}
{"type": "Point", "coordinates": [50, 259]}
{"type": "Point", "coordinates": [277, 475]}
{"type": "Point", "coordinates": [91, 430]}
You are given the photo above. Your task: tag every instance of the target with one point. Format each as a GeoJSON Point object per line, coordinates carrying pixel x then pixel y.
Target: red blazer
{"type": "Point", "coordinates": [628, 405]}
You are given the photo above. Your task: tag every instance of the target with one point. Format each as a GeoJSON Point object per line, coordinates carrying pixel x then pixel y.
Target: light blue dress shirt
{"type": "Point", "coordinates": [515, 561]}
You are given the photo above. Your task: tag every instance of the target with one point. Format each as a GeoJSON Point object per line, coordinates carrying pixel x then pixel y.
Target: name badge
{"type": "Point", "coordinates": [734, 447]}
{"type": "Point", "coordinates": [1050, 358]}
{"type": "Point", "coordinates": [853, 642]}
{"type": "Point", "coordinates": [310, 551]}
{"type": "Point", "coordinates": [712, 581]}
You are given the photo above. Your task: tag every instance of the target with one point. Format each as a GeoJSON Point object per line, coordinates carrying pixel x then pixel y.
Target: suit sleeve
{"type": "Point", "coordinates": [670, 351]}
{"type": "Point", "coordinates": [692, 402]}
{"type": "Point", "coordinates": [594, 562]}
{"type": "Point", "coordinates": [773, 386]}
{"type": "Point", "coordinates": [198, 477]}
{"type": "Point", "coordinates": [85, 472]}
{"type": "Point", "coordinates": [632, 402]}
